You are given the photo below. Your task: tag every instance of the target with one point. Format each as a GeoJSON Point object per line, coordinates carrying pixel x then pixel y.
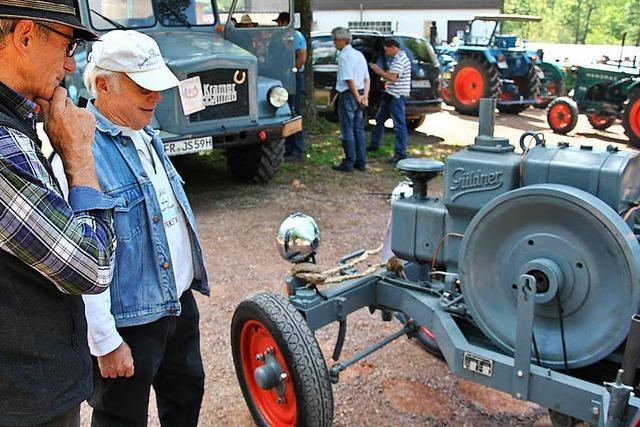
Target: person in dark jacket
{"type": "Point", "coordinates": [51, 251]}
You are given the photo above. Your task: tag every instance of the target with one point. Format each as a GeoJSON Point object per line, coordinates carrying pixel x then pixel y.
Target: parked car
{"type": "Point", "coordinates": [425, 72]}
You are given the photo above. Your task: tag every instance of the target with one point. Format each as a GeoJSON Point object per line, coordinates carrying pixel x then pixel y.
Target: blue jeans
{"type": "Point", "coordinates": [294, 144]}
{"type": "Point", "coordinates": [352, 130]}
{"type": "Point", "coordinates": [394, 108]}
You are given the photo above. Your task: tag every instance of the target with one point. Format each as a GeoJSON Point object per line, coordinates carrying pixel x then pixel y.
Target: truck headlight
{"type": "Point", "coordinates": [278, 96]}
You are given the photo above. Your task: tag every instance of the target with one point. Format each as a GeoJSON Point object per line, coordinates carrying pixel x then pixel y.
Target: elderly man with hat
{"type": "Point", "coordinates": [144, 332]}
{"type": "Point", "coordinates": [51, 251]}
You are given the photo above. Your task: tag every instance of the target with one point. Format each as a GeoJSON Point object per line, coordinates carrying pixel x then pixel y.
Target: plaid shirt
{"type": "Point", "coordinates": [72, 244]}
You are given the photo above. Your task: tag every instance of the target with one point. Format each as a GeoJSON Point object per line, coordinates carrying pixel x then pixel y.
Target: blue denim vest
{"type": "Point", "coordinates": [143, 289]}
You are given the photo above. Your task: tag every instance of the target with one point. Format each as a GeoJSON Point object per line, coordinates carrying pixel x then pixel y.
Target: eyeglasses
{"type": "Point", "coordinates": [73, 43]}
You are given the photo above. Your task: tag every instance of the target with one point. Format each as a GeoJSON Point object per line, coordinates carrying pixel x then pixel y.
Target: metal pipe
{"type": "Point", "coordinates": [487, 116]}
{"type": "Point", "coordinates": [631, 352]}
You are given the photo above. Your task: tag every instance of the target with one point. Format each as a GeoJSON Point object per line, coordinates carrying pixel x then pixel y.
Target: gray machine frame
{"type": "Point", "coordinates": [466, 350]}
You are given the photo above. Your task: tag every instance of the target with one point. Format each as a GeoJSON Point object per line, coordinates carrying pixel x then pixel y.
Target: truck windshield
{"type": "Point", "coordinates": [252, 13]}
{"type": "Point", "coordinates": [480, 32]}
{"type": "Point", "coordinates": [109, 14]}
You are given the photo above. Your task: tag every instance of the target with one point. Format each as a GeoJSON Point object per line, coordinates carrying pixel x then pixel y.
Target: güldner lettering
{"type": "Point", "coordinates": [462, 180]}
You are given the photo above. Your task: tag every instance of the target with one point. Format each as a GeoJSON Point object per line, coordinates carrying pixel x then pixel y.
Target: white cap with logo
{"type": "Point", "coordinates": [135, 54]}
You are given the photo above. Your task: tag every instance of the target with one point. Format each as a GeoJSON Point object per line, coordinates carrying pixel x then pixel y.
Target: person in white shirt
{"type": "Point", "coordinates": [144, 331]}
{"type": "Point", "coordinates": [352, 84]}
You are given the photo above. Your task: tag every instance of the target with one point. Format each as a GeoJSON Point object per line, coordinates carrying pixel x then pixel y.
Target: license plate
{"type": "Point", "coordinates": [421, 83]}
{"type": "Point", "coordinates": [503, 65]}
{"type": "Point", "coordinates": [188, 146]}
{"type": "Point", "coordinates": [292, 127]}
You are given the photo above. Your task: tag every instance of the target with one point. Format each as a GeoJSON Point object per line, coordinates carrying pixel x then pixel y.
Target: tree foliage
{"type": "Point", "coordinates": [577, 21]}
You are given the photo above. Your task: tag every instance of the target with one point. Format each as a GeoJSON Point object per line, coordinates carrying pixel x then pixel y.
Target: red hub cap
{"type": "Point", "coordinates": [468, 86]}
{"type": "Point", "coordinates": [560, 116]}
{"type": "Point", "coordinates": [276, 410]}
{"type": "Point", "coordinates": [599, 120]}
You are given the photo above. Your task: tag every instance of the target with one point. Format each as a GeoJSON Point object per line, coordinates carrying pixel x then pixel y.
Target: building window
{"type": "Point", "coordinates": [382, 26]}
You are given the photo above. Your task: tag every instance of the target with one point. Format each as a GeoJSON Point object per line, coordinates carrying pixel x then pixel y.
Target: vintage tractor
{"type": "Point", "coordinates": [605, 93]}
{"type": "Point", "coordinates": [526, 273]}
{"type": "Point", "coordinates": [552, 85]}
{"type": "Point", "coordinates": [491, 65]}
{"type": "Point", "coordinates": [447, 64]}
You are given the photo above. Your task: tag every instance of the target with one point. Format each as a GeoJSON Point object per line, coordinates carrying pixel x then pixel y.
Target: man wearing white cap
{"type": "Point", "coordinates": [144, 332]}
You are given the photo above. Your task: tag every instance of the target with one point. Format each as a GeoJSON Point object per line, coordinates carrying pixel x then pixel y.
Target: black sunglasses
{"type": "Point", "coordinates": [73, 43]}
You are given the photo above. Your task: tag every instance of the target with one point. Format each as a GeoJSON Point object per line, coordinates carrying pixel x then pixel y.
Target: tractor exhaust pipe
{"type": "Point", "coordinates": [487, 116]}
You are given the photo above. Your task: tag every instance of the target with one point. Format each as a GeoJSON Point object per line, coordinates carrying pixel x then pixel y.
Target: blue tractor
{"type": "Point", "coordinates": [492, 65]}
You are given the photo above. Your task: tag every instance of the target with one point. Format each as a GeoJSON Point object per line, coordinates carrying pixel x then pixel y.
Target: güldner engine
{"type": "Point", "coordinates": [524, 277]}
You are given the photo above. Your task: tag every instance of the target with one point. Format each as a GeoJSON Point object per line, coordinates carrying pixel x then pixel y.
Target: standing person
{"type": "Point", "coordinates": [352, 84]}
{"type": "Point", "coordinates": [145, 331]}
{"type": "Point", "coordinates": [51, 251]}
{"type": "Point", "coordinates": [294, 144]}
{"type": "Point", "coordinates": [397, 90]}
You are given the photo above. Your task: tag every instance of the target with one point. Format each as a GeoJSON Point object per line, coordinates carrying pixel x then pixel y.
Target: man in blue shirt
{"type": "Point", "coordinates": [294, 145]}
{"type": "Point", "coordinates": [352, 84]}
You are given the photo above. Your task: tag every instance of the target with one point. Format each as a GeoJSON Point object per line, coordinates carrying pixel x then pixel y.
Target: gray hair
{"type": "Point", "coordinates": [341, 33]}
{"type": "Point", "coordinates": [7, 25]}
{"type": "Point", "coordinates": [92, 72]}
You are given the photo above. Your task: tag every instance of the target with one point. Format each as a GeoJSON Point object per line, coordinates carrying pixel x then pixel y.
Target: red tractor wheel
{"type": "Point", "coordinates": [279, 365]}
{"type": "Point", "coordinates": [631, 119]}
{"type": "Point", "coordinates": [562, 115]}
{"type": "Point", "coordinates": [473, 78]}
{"type": "Point", "coordinates": [446, 96]}
{"type": "Point", "coordinates": [600, 122]}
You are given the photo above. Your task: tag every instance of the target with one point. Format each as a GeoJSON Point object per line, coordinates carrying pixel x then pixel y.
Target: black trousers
{"type": "Point", "coordinates": [166, 355]}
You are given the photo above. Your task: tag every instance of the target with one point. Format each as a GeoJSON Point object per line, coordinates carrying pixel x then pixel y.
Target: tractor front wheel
{"type": "Point", "coordinates": [600, 122]}
{"type": "Point", "coordinates": [631, 119]}
{"type": "Point", "coordinates": [562, 115]}
{"type": "Point", "coordinates": [473, 78]}
{"type": "Point", "coordinates": [279, 365]}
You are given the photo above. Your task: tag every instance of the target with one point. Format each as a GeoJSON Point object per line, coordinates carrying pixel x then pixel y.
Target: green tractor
{"type": "Point", "coordinates": [490, 64]}
{"type": "Point", "coordinates": [605, 93]}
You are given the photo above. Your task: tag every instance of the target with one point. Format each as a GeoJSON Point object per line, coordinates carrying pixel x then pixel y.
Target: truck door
{"type": "Point", "coordinates": [251, 25]}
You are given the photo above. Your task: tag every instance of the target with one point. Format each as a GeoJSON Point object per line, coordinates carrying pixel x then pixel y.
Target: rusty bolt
{"type": "Point", "coordinates": [284, 377]}
{"type": "Point", "coordinates": [269, 350]}
{"type": "Point", "coordinates": [259, 357]}
{"type": "Point", "coordinates": [280, 400]}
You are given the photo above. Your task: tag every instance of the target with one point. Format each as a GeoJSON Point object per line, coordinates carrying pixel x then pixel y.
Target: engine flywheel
{"type": "Point", "coordinates": [584, 257]}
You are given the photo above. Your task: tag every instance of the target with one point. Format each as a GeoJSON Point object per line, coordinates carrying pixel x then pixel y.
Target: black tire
{"type": "Point", "coordinates": [413, 124]}
{"type": "Point", "coordinates": [529, 88]}
{"type": "Point", "coordinates": [299, 350]}
{"type": "Point", "coordinates": [630, 118]}
{"type": "Point", "coordinates": [490, 80]}
{"type": "Point", "coordinates": [562, 115]}
{"type": "Point", "coordinates": [599, 122]}
{"type": "Point", "coordinates": [256, 163]}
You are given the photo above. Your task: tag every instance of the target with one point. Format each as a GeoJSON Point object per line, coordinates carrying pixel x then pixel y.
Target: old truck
{"type": "Point", "coordinates": [237, 70]}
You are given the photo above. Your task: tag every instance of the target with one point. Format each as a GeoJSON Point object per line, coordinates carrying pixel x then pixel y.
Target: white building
{"type": "Point", "coordinates": [405, 16]}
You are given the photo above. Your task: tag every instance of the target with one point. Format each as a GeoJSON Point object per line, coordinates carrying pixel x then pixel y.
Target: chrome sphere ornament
{"type": "Point", "coordinates": [298, 238]}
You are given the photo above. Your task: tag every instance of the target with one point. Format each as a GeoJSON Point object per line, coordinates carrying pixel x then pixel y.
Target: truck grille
{"type": "Point", "coordinates": [225, 94]}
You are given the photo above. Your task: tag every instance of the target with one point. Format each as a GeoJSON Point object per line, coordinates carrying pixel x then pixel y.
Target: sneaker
{"type": "Point", "coordinates": [341, 167]}
{"type": "Point", "coordinates": [370, 148]}
{"type": "Point", "coordinates": [395, 159]}
{"type": "Point", "coordinates": [361, 168]}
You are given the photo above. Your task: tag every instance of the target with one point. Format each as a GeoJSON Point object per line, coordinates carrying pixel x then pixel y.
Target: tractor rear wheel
{"type": "Point", "coordinates": [600, 122]}
{"type": "Point", "coordinates": [256, 163]}
{"type": "Point", "coordinates": [631, 119]}
{"type": "Point", "coordinates": [529, 86]}
{"type": "Point", "coordinates": [279, 364]}
{"type": "Point", "coordinates": [473, 78]}
{"type": "Point", "coordinates": [562, 115]}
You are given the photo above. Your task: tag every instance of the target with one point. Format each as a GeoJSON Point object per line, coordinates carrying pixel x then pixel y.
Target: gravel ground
{"type": "Point", "coordinates": [398, 385]}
